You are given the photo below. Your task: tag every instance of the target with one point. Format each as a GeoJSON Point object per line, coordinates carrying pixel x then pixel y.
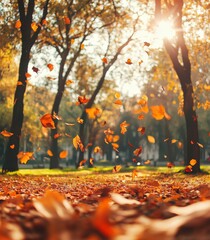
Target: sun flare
{"type": "Point", "coordinates": [165, 29]}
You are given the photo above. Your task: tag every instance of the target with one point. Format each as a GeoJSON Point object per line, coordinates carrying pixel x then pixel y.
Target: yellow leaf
{"type": "Point", "coordinates": [117, 95]}
{"type": "Point", "coordinates": [200, 145]}
{"type": "Point", "coordinates": [93, 112]}
{"type": "Point", "coordinates": [116, 168]}
{"type": "Point", "coordinates": [151, 139]}
{"type": "Point", "coordinates": [34, 26]}
{"type": "Point", "coordinates": [63, 154]}
{"type": "Point", "coordinates": [80, 120]}
{"type": "Point", "coordinates": [173, 141]}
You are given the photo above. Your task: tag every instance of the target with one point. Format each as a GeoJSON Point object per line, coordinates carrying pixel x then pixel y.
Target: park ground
{"type": "Point", "coordinates": [142, 203]}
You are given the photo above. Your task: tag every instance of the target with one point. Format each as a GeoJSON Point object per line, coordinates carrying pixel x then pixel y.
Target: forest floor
{"type": "Point", "coordinates": [138, 204]}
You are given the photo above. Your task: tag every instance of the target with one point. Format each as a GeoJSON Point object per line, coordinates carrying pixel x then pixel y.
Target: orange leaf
{"type": "Point", "coordinates": [82, 100]}
{"type": "Point", "coordinates": [34, 26]}
{"type": "Point", "coordinates": [116, 168]}
{"type": "Point", "coordinates": [129, 62]}
{"type": "Point", "coordinates": [18, 24]}
{"type": "Point", "coordinates": [5, 133]}
{"type": "Point", "coordinates": [170, 164]}
{"type": "Point", "coordinates": [63, 154]}
{"type": "Point", "coordinates": [118, 102]}
{"type": "Point", "coordinates": [104, 60]}
{"type": "Point", "coordinates": [115, 146]}
{"type": "Point", "coordinates": [141, 130]}
{"type": "Point", "coordinates": [82, 162]}
{"type": "Point", "coordinates": [44, 22]}
{"type": "Point", "coordinates": [124, 126]}
{"type": "Point", "coordinates": [80, 120]}
{"type": "Point", "coordinates": [200, 145]}
{"type": "Point", "coordinates": [19, 83]}
{"type": "Point", "coordinates": [49, 153]}
{"type": "Point", "coordinates": [24, 157]}
{"type": "Point", "coordinates": [93, 112]}
{"type": "Point", "coordinates": [137, 151]}
{"type": "Point", "coordinates": [57, 135]}
{"type": "Point", "coordinates": [50, 66]}
{"type": "Point", "coordinates": [91, 161]}
{"type": "Point", "coordinates": [82, 46]}
{"type": "Point", "coordinates": [134, 174]}
{"type": "Point", "coordinates": [27, 75]}
{"type": "Point", "coordinates": [12, 146]}
{"type": "Point", "coordinates": [158, 112]}
{"type": "Point", "coordinates": [68, 82]}
{"type": "Point", "coordinates": [141, 117]}
{"type": "Point", "coordinates": [115, 138]}
{"type": "Point", "coordinates": [67, 20]}
{"type": "Point", "coordinates": [47, 121]}
{"type": "Point", "coordinates": [151, 139]}
{"type": "Point", "coordinates": [173, 141]}
{"type": "Point", "coordinates": [193, 162]}
{"type": "Point", "coordinates": [188, 169]}
{"type": "Point", "coordinates": [97, 149]}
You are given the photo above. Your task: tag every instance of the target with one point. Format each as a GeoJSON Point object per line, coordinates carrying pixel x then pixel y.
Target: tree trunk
{"type": "Point", "coordinates": [11, 161]}
{"type": "Point", "coordinates": [178, 54]}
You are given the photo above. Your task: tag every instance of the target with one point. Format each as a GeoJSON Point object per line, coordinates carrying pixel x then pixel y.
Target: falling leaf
{"type": "Point", "coordinates": [141, 117]}
{"type": "Point", "coordinates": [80, 120]}
{"type": "Point", "coordinates": [180, 145]}
{"type": "Point", "coordinates": [103, 123]}
{"type": "Point", "coordinates": [200, 145]}
{"type": "Point", "coordinates": [49, 153]}
{"type": "Point", "coordinates": [93, 112]}
{"type": "Point", "coordinates": [193, 162]}
{"type": "Point", "coordinates": [18, 24]}
{"type": "Point", "coordinates": [72, 41]}
{"type": "Point", "coordinates": [82, 163]}
{"type": "Point", "coordinates": [124, 126]}
{"type": "Point", "coordinates": [77, 143]}
{"type": "Point", "coordinates": [147, 44]}
{"type": "Point", "coordinates": [129, 62]}
{"type": "Point", "coordinates": [68, 82]}
{"type": "Point", "coordinates": [104, 60]}
{"type": "Point", "coordinates": [115, 146]}
{"type": "Point", "coordinates": [47, 121]}
{"type": "Point", "coordinates": [5, 133]}
{"type": "Point", "coordinates": [12, 146]}
{"type": "Point", "coordinates": [63, 154]}
{"type": "Point", "coordinates": [91, 161]}
{"type": "Point", "coordinates": [173, 141]}
{"type": "Point", "coordinates": [82, 46]}
{"type": "Point", "coordinates": [34, 26]}
{"type": "Point", "coordinates": [147, 162]}
{"type": "Point", "coordinates": [158, 112]}
{"type": "Point", "coordinates": [141, 130]}
{"type": "Point", "coordinates": [19, 83]}
{"type": "Point", "coordinates": [69, 124]}
{"type": "Point", "coordinates": [137, 151]}
{"type": "Point", "coordinates": [35, 69]}
{"type": "Point", "coordinates": [140, 62]}
{"type": "Point", "coordinates": [67, 20]}
{"type": "Point", "coordinates": [27, 75]}
{"type": "Point", "coordinates": [115, 138]}
{"type": "Point", "coordinates": [117, 95]}
{"type": "Point", "coordinates": [57, 135]}
{"type": "Point", "coordinates": [130, 145]}
{"type": "Point", "coordinates": [50, 66]}
{"type": "Point", "coordinates": [82, 100]}
{"type": "Point", "coordinates": [97, 149]}
{"type": "Point", "coordinates": [44, 22]}
{"type": "Point", "coordinates": [118, 102]}
{"type": "Point", "coordinates": [116, 168]}
{"type": "Point", "coordinates": [24, 157]}
{"type": "Point", "coordinates": [151, 139]}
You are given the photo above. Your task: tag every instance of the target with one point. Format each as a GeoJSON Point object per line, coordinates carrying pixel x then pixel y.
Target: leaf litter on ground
{"type": "Point", "coordinates": [116, 206]}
